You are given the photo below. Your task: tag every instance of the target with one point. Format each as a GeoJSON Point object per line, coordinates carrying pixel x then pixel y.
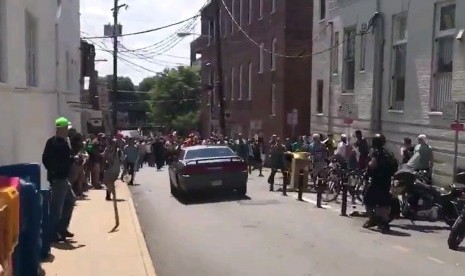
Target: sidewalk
{"type": "Point", "coordinates": [94, 251]}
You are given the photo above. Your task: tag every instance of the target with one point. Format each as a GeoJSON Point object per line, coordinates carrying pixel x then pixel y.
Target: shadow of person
{"type": "Point", "coordinates": [49, 259]}
{"type": "Point", "coordinates": [67, 246]}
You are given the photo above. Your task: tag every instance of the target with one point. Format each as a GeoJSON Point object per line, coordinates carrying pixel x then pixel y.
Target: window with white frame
{"type": "Point", "coordinates": [262, 53]}
{"type": "Point", "coordinates": [363, 46]}
{"type": "Point", "coordinates": [319, 96]}
{"type": "Point", "coordinates": [249, 97]}
{"type": "Point", "coordinates": [444, 36]}
{"type": "Point", "coordinates": [31, 50]}
{"type": "Point", "coordinates": [260, 8]}
{"type": "Point", "coordinates": [322, 9]}
{"type": "Point", "coordinates": [234, 16]}
{"type": "Point", "coordinates": [250, 11]}
{"type": "Point", "coordinates": [335, 53]}
{"type": "Point", "coordinates": [348, 68]}
{"type": "Point", "coordinates": [399, 60]}
{"type": "Point", "coordinates": [240, 82]}
{"type": "Point", "coordinates": [273, 53]}
{"type": "Point", "coordinates": [273, 99]}
{"type": "Point", "coordinates": [273, 6]}
{"type": "Point", "coordinates": [233, 74]}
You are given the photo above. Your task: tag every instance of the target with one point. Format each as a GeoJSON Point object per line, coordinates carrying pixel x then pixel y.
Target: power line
{"type": "Point", "coordinates": [149, 30]}
{"type": "Point", "coordinates": [370, 25]}
{"type": "Point", "coordinates": [159, 101]}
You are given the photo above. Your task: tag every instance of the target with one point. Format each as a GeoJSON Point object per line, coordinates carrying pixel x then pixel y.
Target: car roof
{"type": "Point", "coordinates": [199, 147]}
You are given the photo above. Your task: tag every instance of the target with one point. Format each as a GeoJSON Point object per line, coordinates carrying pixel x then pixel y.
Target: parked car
{"type": "Point", "coordinates": [200, 168]}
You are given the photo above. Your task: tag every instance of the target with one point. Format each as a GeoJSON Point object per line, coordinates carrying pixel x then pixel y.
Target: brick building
{"type": "Point", "coordinates": [400, 74]}
{"type": "Point", "coordinates": [263, 78]}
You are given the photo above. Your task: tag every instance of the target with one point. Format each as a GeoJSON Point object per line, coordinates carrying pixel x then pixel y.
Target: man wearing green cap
{"type": "Point", "coordinates": [57, 159]}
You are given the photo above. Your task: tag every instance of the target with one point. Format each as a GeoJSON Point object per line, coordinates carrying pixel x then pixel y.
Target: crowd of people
{"type": "Point", "coordinates": [76, 163]}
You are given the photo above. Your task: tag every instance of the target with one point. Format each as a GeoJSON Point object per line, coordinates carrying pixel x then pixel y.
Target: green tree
{"type": "Point", "coordinates": [175, 98]}
{"type": "Point", "coordinates": [147, 84]}
{"type": "Point", "coordinates": [124, 84]}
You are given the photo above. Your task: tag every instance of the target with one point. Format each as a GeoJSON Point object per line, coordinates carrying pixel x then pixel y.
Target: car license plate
{"type": "Point", "coordinates": [217, 183]}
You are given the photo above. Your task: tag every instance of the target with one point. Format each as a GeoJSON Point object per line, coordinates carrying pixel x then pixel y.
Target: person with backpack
{"type": "Point", "coordinates": [381, 167]}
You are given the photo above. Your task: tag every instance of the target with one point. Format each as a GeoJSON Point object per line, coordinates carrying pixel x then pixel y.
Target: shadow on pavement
{"type": "Point", "coordinates": [393, 233]}
{"type": "Point", "coordinates": [422, 228]}
{"type": "Point", "coordinates": [67, 245]}
{"type": "Point", "coordinates": [207, 198]}
{"type": "Point", "coordinates": [50, 258]}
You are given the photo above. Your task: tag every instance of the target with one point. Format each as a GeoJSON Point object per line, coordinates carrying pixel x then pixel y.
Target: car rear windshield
{"type": "Point", "coordinates": [209, 153]}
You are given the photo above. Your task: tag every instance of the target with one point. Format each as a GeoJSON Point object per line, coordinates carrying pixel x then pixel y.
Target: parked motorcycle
{"type": "Point", "coordinates": [418, 201]}
{"type": "Point", "coordinates": [457, 233]}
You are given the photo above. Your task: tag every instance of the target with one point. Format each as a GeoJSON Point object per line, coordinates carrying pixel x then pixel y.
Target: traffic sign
{"type": "Point", "coordinates": [448, 112]}
{"type": "Point", "coordinates": [457, 127]}
{"type": "Point", "coordinates": [348, 121]}
{"type": "Point", "coordinates": [348, 111]}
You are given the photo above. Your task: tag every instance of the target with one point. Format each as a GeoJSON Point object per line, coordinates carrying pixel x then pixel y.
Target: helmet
{"type": "Point", "coordinates": [378, 140]}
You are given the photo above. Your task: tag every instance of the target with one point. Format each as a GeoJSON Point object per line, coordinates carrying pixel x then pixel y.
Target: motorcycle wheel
{"type": "Point", "coordinates": [457, 234]}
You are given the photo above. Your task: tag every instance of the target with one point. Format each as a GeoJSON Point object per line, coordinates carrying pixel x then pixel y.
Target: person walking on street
{"type": "Point", "coordinates": [131, 153]}
{"type": "Point", "coordinates": [114, 158]}
{"type": "Point", "coordinates": [58, 161]}
{"type": "Point", "coordinates": [277, 150]}
{"type": "Point", "coordinates": [407, 150]}
{"type": "Point", "coordinates": [381, 166]}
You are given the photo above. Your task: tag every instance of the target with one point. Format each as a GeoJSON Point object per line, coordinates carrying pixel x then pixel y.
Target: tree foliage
{"type": "Point", "coordinates": [175, 98]}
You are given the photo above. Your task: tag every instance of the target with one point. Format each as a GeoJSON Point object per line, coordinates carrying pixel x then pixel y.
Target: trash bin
{"type": "Point", "coordinates": [26, 256]}
{"type": "Point", "coordinates": [9, 222]}
{"type": "Point", "coordinates": [300, 162]}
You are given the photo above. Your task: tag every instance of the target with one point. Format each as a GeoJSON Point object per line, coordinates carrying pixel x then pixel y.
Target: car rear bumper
{"type": "Point", "coordinates": [223, 181]}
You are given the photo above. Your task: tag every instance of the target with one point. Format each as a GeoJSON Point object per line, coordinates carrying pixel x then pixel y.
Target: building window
{"type": "Point", "coordinates": [240, 12]}
{"type": "Point", "coordinates": [273, 54]}
{"type": "Point", "coordinates": [249, 97]}
{"type": "Point", "coordinates": [273, 6]}
{"type": "Point", "coordinates": [322, 9]}
{"type": "Point", "coordinates": [319, 96]}
{"type": "Point", "coordinates": [250, 11]}
{"type": "Point", "coordinates": [262, 53]}
{"type": "Point", "coordinates": [273, 99]}
{"type": "Point", "coordinates": [31, 50]}
{"type": "Point", "coordinates": [444, 35]}
{"type": "Point", "coordinates": [348, 70]}
{"type": "Point", "coordinates": [211, 82]}
{"type": "Point", "coordinates": [211, 31]}
{"type": "Point", "coordinates": [363, 46]}
{"type": "Point", "coordinates": [233, 12]}
{"type": "Point", "coordinates": [335, 54]}
{"type": "Point", "coordinates": [260, 8]}
{"type": "Point", "coordinates": [224, 27]}
{"type": "Point", "coordinates": [399, 60]}
{"type": "Point", "coordinates": [233, 73]}
{"type": "Point", "coordinates": [240, 82]}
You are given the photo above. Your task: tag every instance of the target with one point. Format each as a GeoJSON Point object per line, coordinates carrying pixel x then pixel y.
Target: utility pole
{"type": "Point", "coordinates": [115, 65]}
{"type": "Point", "coordinates": [219, 67]}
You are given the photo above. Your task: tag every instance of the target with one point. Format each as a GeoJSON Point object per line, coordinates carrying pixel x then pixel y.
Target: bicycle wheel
{"type": "Point", "coordinates": [332, 189]}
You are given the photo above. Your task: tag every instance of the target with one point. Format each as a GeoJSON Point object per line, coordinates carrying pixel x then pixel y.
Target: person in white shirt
{"type": "Point", "coordinates": [342, 147]}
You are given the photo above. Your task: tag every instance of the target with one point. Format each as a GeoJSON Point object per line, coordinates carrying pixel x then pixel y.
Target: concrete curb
{"type": "Point", "coordinates": [148, 264]}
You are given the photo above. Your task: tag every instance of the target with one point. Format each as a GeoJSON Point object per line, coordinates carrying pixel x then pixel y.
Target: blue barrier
{"type": "Point", "coordinates": [45, 250]}
{"type": "Point", "coordinates": [26, 257]}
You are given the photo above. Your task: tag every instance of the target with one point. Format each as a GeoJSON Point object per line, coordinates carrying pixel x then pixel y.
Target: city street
{"type": "Point", "coordinates": [268, 234]}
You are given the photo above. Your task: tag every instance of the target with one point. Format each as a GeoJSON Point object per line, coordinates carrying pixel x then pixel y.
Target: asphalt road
{"type": "Point", "coordinates": [268, 234]}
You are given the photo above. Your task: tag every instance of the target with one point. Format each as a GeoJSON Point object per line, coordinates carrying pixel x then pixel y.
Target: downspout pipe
{"type": "Point", "coordinates": [378, 70]}
{"type": "Point", "coordinates": [330, 78]}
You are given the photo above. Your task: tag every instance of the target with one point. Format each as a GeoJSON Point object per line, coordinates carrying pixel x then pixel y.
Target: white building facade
{"type": "Point", "coordinates": [399, 62]}
{"type": "Point", "coordinates": [39, 74]}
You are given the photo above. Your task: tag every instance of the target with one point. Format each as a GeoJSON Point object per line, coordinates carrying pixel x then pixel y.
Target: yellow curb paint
{"type": "Point", "coordinates": [148, 264]}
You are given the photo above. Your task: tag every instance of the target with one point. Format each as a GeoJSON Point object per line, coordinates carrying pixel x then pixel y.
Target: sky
{"type": "Point", "coordinates": [139, 16]}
